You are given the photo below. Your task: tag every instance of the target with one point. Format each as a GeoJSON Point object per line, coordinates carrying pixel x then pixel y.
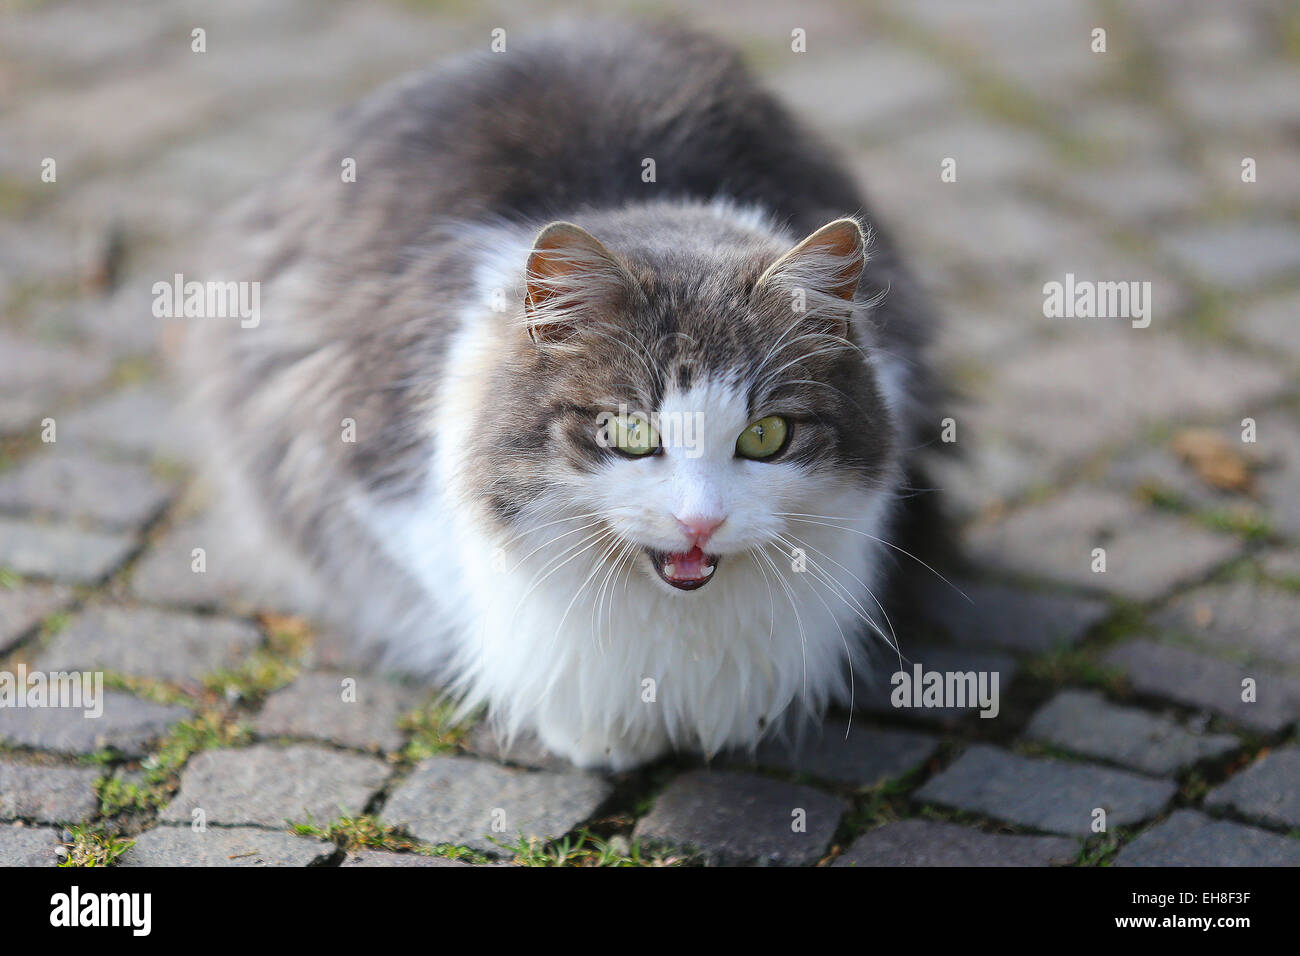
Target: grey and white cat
{"type": "Point", "coordinates": [628, 448]}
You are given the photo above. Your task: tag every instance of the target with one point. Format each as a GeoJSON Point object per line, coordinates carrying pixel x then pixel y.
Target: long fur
{"type": "Point", "coordinates": [473, 532]}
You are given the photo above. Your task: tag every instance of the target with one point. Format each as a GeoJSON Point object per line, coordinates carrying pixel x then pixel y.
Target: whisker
{"type": "Point", "coordinates": [598, 608]}
{"type": "Point", "coordinates": [594, 537]}
{"type": "Point", "coordinates": [618, 541]}
{"type": "Point", "coordinates": [804, 519]}
{"type": "Point", "coordinates": [552, 540]}
{"type": "Point", "coordinates": [789, 594]}
{"type": "Point", "coordinates": [885, 614]}
{"type": "Point", "coordinates": [848, 654]}
{"type": "Point", "coordinates": [771, 606]}
{"type": "Point", "coordinates": [519, 534]}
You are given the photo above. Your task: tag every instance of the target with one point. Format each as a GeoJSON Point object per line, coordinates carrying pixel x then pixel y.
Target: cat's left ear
{"type": "Point", "coordinates": [828, 263]}
{"type": "Point", "coordinates": [570, 276]}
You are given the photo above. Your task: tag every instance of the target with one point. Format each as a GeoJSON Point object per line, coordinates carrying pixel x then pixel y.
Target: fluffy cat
{"type": "Point", "coordinates": [633, 380]}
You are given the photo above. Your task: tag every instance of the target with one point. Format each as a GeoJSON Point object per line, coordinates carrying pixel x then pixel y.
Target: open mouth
{"type": "Point", "coordinates": [685, 570]}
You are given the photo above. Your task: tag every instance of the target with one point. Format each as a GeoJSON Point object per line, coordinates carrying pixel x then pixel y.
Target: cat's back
{"type": "Point", "coordinates": [581, 116]}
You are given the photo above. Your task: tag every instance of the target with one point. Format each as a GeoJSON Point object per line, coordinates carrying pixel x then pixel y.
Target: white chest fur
{"type": "Point", "coordinates": [561, 629]}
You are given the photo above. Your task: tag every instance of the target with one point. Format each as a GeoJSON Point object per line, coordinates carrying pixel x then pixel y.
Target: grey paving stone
{"type": "Point", "coordinates": [1189, 838]}
{"type": "Point", "coordinates": [1281, 565]}
{"type": "Point", "coordinates": [22, 413]}
{"type": "Point", "coordinates": [1197, 680]}
{"type": "Point", "coordinates": [876, 691]}
{"type": "Point", "coordinates": [1271, 324]}
{"type": "Point", "coordinates": [894, 85]}
{"type": "Point", "coordinates": [332, 650]}
{"type": "Point", "coordinates": [230, 581]}
{"type": "Point", "coordinates": [524, 751]}
{"type": "Point", "coordinates": [44, 794]}
{"type": "Point", "coordinates": [61, 552]}
{"type": "Point", "coordinates": [825, 25]}
{"type": "Point", "coordinates": [738, 818]}
{"type": "Point", "coordinates": [990, 331]}
{"type": "Point", "coordinates": [29, 365]}
{"type": "Point", "coordinates": [1240, 616]}
{"type": "Point", "coordinates": [146, 642]}
{"type": "Point", "coordinates": [33, 251]}
{"type": "Point", "coordinates": [108, 42]}
{"type": "Point", "coordinates": [837, 752]}
{"type": "Point", "coordinates": [930, 843]}
{"type": "Point", "coordinates": [128, 725]}
{"type": "Point", "coordinates": [137, 420]}
{"type": "Point", "coordinates": [1012, 618]}
{"type": "Point", "coordinates": [24, 606]}
{"type": "Point", "coordinates": [466, 802]}
{"type": "Point", "coordinates": [123, 324]}
{"type": "Point", "coordinates": [985, 151]}
{"type": "Point", "coordinates": [57, 319]}
{"type": "Point", "coordinates": [1218, 34]}
{"type": "Point", "coordinates": [1147, 469]}
{"type": "Point", "coordinates": [1122, 129]}
{"type": "Point", "coordinates": [270, 786]}
{"type": "Point", "coordinates": [1279, 439]}
{"type": "Point", "coordinates": [165, 574]}
{"type": "Point", "coordinates": [1049, 795]}
{"type": "Point", "coordinates": [381, 858]}
{"type": "Point", "coordinates": [1021, 237]}
{"type": "Point", "coordinates": [313, 707]}
{"type": "Point", "coordinates": [1238, 255]}
{"type": "Point", "coordinates": [1086, 723]}
{"type": "Point", "coordinates": [1043, 53]}
{"type": "Point", "coordinates": [143, 122]}
{"type": "Point", "coordinates": [83, 485]}
{"type": "Point", "coordinates": [1098, 386]}
{"type": "Point", "coordinates": [1268, 790]}
{"type": "Point", "coordinates": [1277, 169]}
{"type": "Point", "coordinates": [1244, 99]}
{"type": "Point", "coordinates": [1147, 553]}
{"type": "Point", "coordinates": [222, 846]}
{"type": "Point", "coordinates": [991, 472]}
{"type": "Point", "coordinates": [28, 846]}
{"type": "Point", "coordinates": [1138, 193]}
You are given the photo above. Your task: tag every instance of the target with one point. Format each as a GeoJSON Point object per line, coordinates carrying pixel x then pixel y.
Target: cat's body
{"type": "Point", "coordinates": [479, 529]}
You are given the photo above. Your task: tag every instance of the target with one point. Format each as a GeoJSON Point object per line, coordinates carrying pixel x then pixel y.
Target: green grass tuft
{"type": "Point", "coordinates": [92, 846]}
{"type": "Point", "coordinates": [210, 730]}
{"type": "Point", "coordinates": [367, 833]}
{"type": "Point", "coordinates": [434, 730]}
{"type": "Point", "coordinates": [586, 849]}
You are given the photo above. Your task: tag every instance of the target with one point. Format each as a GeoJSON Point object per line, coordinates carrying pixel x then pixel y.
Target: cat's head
{"type": "Point", "coordinates": [681, 387]}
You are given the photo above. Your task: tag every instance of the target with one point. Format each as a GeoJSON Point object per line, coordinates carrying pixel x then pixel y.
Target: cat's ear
{"type": "Point", "coordinates": [828, 264]}
{"type": "Point", "coordinates": [570, 274]}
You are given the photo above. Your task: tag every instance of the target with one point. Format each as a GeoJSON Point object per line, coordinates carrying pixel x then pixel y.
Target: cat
{"type": "Point", "coordinates": [593, 394]}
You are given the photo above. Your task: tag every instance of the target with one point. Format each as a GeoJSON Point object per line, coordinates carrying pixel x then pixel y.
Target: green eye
{"type": "Point", "coordinates": [634, 435]}
{"type": "Point", "coordinates": [764, 438]}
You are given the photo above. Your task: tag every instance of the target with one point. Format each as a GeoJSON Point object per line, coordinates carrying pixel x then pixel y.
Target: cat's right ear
{"type": "Point", "coordinates": [822, 273]}
{"type": "Point", "coordinates": [569, 275]}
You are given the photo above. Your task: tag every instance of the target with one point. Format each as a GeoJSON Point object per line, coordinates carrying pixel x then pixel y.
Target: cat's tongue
{"type": "Point", "coordinates": [686, 569]}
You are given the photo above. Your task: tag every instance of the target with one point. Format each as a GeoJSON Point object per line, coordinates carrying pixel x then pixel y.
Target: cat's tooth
{"type": "Point", "coordinates": [670, 570]}
{"type": "Point", "coordinates": [707, 570]}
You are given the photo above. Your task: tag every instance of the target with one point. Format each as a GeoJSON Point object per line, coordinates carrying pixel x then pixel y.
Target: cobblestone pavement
{"type": "Point", "coordinates": [241, 735]}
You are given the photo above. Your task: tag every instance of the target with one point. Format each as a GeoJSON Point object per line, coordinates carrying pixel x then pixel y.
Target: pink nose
{"type": "Point", "coordinates": [700, 529]}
